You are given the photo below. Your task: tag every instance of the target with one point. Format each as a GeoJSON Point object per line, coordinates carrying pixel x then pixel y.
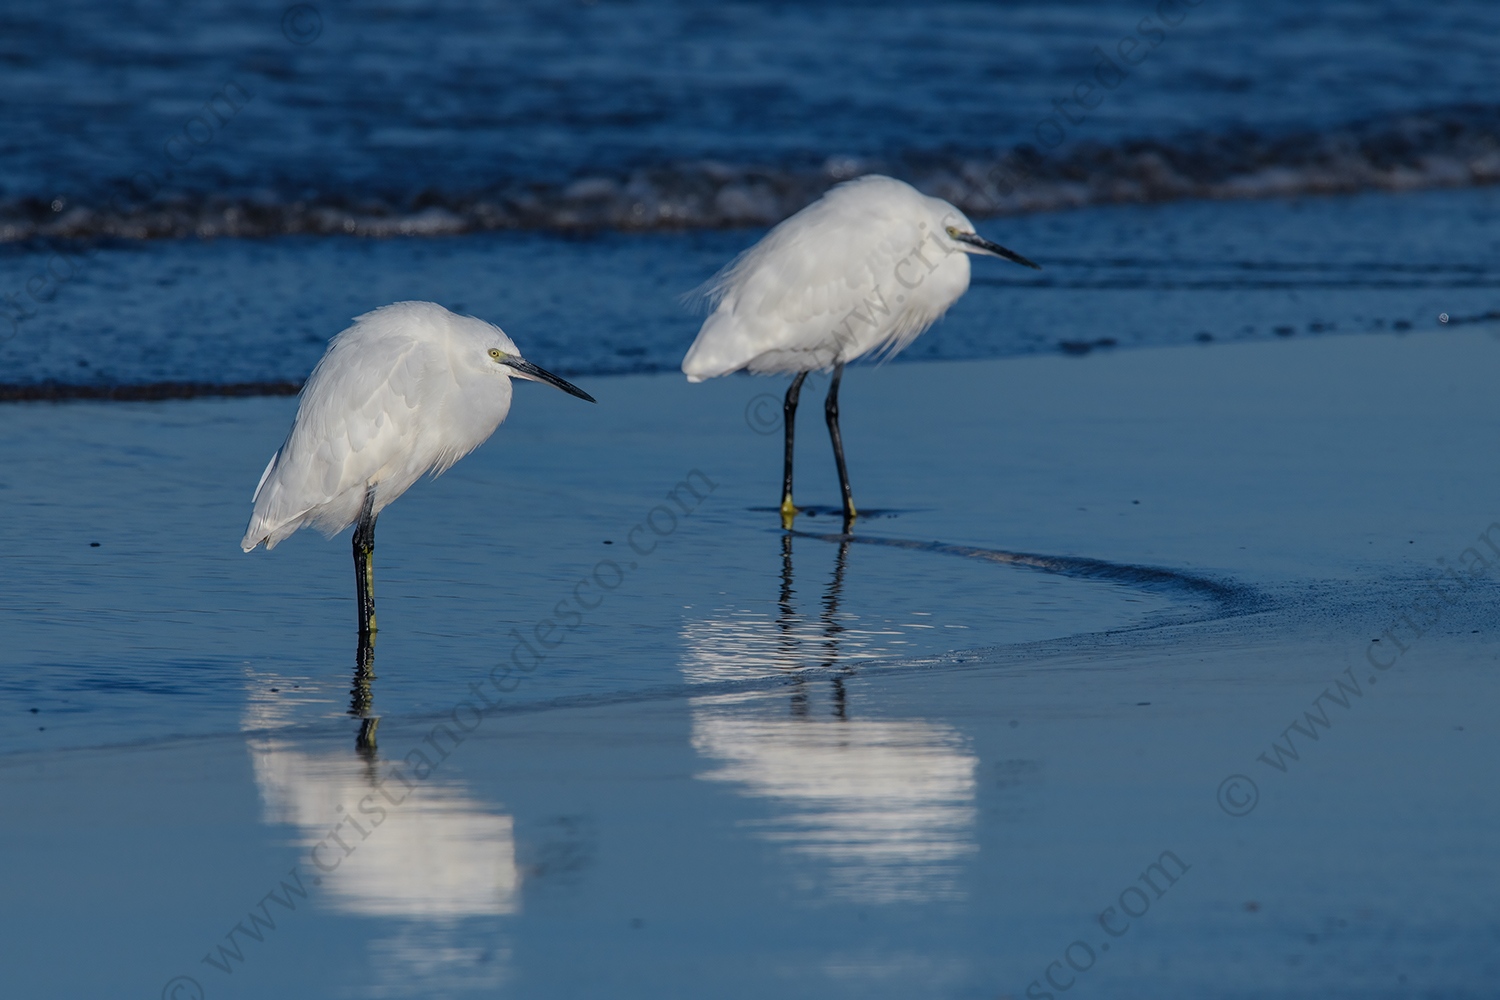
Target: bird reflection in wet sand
{"type": "Point", "coordinates": [434, 861]}
{"type": "Point", "coordinates": [829, 626]}
{"type": "Point", "coordinates": [362, 693]}
{"type": "Point", "coordinates": [382, 849]}
{"type": "Point", "coordinates": [883, 808]}
{"type": "Point", "coordinates": [739, 644]}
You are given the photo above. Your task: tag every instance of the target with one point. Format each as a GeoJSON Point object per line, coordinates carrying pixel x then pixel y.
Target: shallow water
{"type": "Point", "coordinates": [113, 643]}
{"type": "Point", "coordinates": [252, 311]}
{"type": "Point", "coordinates": [747, 776]}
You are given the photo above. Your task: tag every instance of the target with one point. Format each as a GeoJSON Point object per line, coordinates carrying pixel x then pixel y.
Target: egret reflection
{"type": "Point", "coordinates": [362, 693]}
{"type": "Point", "coordinates": [883, 808]}
{"type": "Point", "coordinates": [733, 644]}
{"type": "Point", "coordinates": [433, 853]}
{"type": "Point", "coordinates": [374, 844]}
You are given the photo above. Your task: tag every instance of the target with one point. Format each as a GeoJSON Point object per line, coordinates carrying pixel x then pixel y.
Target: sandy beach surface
{"type": "Point", "coordinates": [1092, 703]}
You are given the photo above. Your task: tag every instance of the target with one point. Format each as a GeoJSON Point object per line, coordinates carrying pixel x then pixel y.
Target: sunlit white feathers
{"type": "Point", "coordinates": [409, 389]}
{"type": "Point", "coordinates": [867, 267]}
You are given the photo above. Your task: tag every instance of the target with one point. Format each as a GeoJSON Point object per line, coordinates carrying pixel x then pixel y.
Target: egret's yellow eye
{"type": "Point", "coordinates": [953, 230]}
{"type": "Point", "coordinates": [496, 353]}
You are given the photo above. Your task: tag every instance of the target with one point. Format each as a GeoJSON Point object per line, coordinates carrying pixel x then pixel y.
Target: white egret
{"type": "Point", "coordinates": [408, 389]}
{"type": "Point", "coordinates": [866, 268]}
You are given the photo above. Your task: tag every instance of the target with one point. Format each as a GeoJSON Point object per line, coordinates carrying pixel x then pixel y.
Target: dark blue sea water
{"type": "Point", "coordinates": [204, 193]}
{"type": "Point", "coordinates": [492, 110]}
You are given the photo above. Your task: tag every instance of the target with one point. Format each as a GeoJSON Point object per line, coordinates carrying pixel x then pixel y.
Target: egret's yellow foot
{"type": "Point", "coordinates": [788, 513]}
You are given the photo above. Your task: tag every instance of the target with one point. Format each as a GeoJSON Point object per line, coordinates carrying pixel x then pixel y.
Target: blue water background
{"type": "Point", "coordinates": [408, 98]}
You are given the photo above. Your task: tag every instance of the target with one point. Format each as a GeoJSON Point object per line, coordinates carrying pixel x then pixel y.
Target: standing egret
{"type": "Point", "coordinates": [867, 267]}
{"type": "Point", "coordinates": [408, 389]}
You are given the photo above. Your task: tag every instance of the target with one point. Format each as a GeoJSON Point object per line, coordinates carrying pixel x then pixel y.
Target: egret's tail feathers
{"type": "Point", "coordinates": [695, 369]}
{"type": "Point", "coordinates": [261, 533]}
{"type": "Point", "coordinates": [697, 366]}
{"type": "Point", "coordinates": [264, 476]}
{"type": "Point", "coordinates": [273, 519]}
{"type": "Point", "coordinates": [720, 348]}
{"type": "Point", "coordinates": [257, 532]}
{"type": "Point", "coordinates": [279, 515]}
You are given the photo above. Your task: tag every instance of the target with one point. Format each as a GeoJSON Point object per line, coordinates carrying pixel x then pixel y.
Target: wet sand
{"type": "Point", "coordinates": [911, 763]}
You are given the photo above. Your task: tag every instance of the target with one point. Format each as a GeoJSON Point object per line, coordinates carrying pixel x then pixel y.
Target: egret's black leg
{"type": "Point", "coordinates": [831, 411]}
{"type": "Point", "coordinates": [360, 693]}
{"type": "Point", "coordinates": [364, 563]}
{"type": "Point", "coordinates": [789, 421]}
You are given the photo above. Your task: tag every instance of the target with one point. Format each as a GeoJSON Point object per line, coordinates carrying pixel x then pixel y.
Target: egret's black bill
{"type": "Point", "coordinates": [975, 240]}
{"type": "Point", "coordinates": [531, 371]}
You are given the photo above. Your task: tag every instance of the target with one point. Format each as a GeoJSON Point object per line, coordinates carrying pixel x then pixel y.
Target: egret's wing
{"type": "Point", "coordinates": [834, 281]}
{"type": "Point", "coordinates": [824, 285]}
{"type": "Point", "coordinates": [360, 414]}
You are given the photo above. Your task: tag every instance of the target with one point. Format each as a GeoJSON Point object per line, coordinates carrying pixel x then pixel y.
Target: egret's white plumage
{"type": "Point", "coordinates": [866, 268]}
{"type": "Point", "coordinates": [409, 389]}
{"type": "Point", "coordinates": [382, 407]}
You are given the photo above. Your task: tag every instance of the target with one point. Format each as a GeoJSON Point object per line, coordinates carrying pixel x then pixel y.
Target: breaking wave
{"type": "Point", "coordinates": [1453, 147]}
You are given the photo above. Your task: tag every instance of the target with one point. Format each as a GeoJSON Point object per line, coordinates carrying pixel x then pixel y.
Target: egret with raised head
{"type": "Point", "coordinates": [863, 270]}
{"type": "Point", "coordinates": [409, 389]}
